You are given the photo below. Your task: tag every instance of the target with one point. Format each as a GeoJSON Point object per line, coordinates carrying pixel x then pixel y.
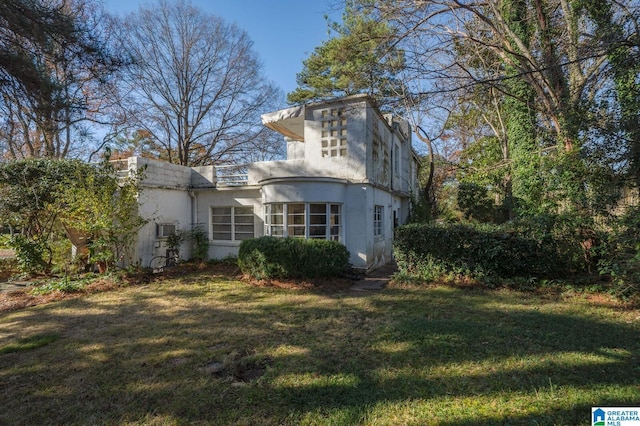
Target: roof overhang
{"type": "Point", "coordinates": [288, 122]}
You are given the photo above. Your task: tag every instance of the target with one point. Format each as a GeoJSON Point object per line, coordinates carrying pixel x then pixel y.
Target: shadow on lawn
{"type": "Point", "coordinates": [141, 358]}
{"type": "Point", "coordinates": [497, 344]}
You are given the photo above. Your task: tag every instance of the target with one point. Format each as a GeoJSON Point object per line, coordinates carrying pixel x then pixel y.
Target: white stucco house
{"type": "Point", "coordinates": [348, 176]}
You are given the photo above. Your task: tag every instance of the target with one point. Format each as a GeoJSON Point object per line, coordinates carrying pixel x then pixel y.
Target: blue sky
{"type": "Point", "coordinates": [284, 32]}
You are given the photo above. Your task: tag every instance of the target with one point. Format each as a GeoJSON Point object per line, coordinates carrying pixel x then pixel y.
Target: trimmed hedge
{"type": "Point", "coordinates": [272, 257]}
{"type": "Point", "coordinates": [427, 251]}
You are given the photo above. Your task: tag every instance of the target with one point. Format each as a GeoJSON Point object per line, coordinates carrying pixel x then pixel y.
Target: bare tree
{"type": "Point", "coordinates": [566, 56]}
{"type": "Point", "coordinates": [196, 86]}
{"type": "Point", "coordinates": [553, 79]}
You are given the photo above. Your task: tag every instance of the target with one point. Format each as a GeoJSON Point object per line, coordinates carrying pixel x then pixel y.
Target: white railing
{"type": "Point", "coordinates": [121, 167]}
{"type": "Point", "coordinates": [236, 175]}
{"type": "Point", "coordinates": [229, 175]}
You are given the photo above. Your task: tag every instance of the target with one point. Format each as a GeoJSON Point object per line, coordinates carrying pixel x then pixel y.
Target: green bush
{"type": "Point", "coordinates": [198, 238]}
{"type": "Point", "coordinates": [618, 254]}
{"type": "Point", "coordinates": [30, 254]}
{"type": "Point", "coordinates": [200, 241]}
{"type": "Point", "coordinates": [474, 202]}
{"type": "Point", "coordinates": [426, 251]}
{"type": "Point", "coordinates": [5, 240]}
{"type": "Point", "coordinates": [64, 285]}
{"type": "Point", "coordinates": [560, 234]}
{"type": "Point", "coordinates": [271, 257]}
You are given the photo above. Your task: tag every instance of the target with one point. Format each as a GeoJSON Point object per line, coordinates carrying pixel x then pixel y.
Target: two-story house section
{"type": "Point", "coordinates": [348, 177]}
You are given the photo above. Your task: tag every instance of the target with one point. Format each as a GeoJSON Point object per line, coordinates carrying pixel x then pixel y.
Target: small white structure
{"type": "Point", "coordinates": [348, 177]}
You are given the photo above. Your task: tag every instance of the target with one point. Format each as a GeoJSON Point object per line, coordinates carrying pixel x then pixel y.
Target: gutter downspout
{"type": "Point", "coordinates": [194, 209]}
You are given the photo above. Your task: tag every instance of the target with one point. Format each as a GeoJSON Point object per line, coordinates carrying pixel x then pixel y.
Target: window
{"type": "Point", "coordinates": [274, 219]}
{"type": "Point", "coordinates": [318, 221]}
{"type": "Point", "coordinates": [334, 133]}
{"type": "Point", "coordinates": [334, 222]}
{"type": "Point", "coordinates": [296, 220]}
{"type": "Point", "coordinates": [378, 221]}
{"type": "Point", "coordinates": [163, 230]}
{"type": "Point", "coordinates": [303, 220]}
{"type": "Point", "coordinates": [232, 223]}
{"type": "Point", "coordinates": [243, 223]}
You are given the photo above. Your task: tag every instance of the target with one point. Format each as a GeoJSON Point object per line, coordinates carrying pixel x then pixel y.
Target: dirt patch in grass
{"type": "Point", "coordinates": [323, 284]}
{"type": "Point", "coordinates": [20, 299]}
{"type": "Point", "coordinates": [238, 367]}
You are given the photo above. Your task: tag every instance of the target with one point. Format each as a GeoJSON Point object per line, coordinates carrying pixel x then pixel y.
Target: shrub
{"type": "Point", "coordinates": [560, 234]}
{"type": "Point", "coordinates": [64, 285]}
{"type": "Point", "coordinates": [474, 202]}
{"type": "Point", "coordinates": [618, 254]}
{"type": "Point", "coordinates": [72, 198]}
{"type": "Point", "coordinates": [5, 240]}
{"type": "Point", "coordinates": [30, 254]}
{"type": "Point", "coordinates": [200, 241]}
{"type": "Point", "coordinates": [271, 257]}
{"type": "Point", "coordinates": [426, 251]}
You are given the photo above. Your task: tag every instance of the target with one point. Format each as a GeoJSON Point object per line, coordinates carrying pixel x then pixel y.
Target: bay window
{"type": "Point", "coordinates": [304, 220]}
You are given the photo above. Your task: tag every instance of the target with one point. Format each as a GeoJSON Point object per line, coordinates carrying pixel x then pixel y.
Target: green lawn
{"type": "Point", "coordinates": [206, 349]}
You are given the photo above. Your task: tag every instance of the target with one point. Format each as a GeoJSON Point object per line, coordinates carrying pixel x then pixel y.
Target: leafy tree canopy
{"type": "Point", "coordinates": [89, 203]}
{"type": "Point", "coordinates": [29, 26]}
{"type": "Point", "coordinates": [359, 59]}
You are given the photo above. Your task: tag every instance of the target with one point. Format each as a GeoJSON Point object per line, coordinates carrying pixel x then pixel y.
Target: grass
{"type": "Point", "coordinates": [28, 343]}
{"type": "Point", "coordinates": [208, 349]}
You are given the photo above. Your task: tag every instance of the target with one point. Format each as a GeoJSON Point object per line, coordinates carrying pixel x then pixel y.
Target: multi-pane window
{"type": "Point", "coordinates": [378, 221]}
{"type": "Point", "coordinates": [334, 133]}
{"type": "Point", "coordinates": [221, 223]}
{"type": "Point", "coordinates": [318, 221]}
{"type": "Point", "coordinates": [243, 223]}
{"type": "Point", "coordinates": [304, 220]}
{"type": "Point", "coordinates": [232, 223]}
{"type": "Point", "coordinates": [334, 222]}
{"type": "Point", "coordinates": [274, 219]}
{"type": "Point", "coordinates": [296, 220]}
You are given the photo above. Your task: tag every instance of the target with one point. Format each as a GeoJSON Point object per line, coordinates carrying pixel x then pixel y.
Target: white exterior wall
{"type": "Point", "coordinates": [358, 223]}
{"type": "Point", "coordinates": [295, 149]}
{"type": "Point", "coordinates": [185, 196]}
{"type": "Point", "coordinates": [161, 206]}
{"type": "Point", "coordinates": [164, 199]}
{"type": "Point", "coordinates": [310, 191]}
{"type": "Point", "coordinates": [354, 166]}
{"type": "Point", "coordinates": [228, 197]}
{"type": "Point", "coordinates": [305, 157]}
{"type": "Point", "coordinates": [382, 245]}
{"type": "Point", "coordinates": [159, 174]}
